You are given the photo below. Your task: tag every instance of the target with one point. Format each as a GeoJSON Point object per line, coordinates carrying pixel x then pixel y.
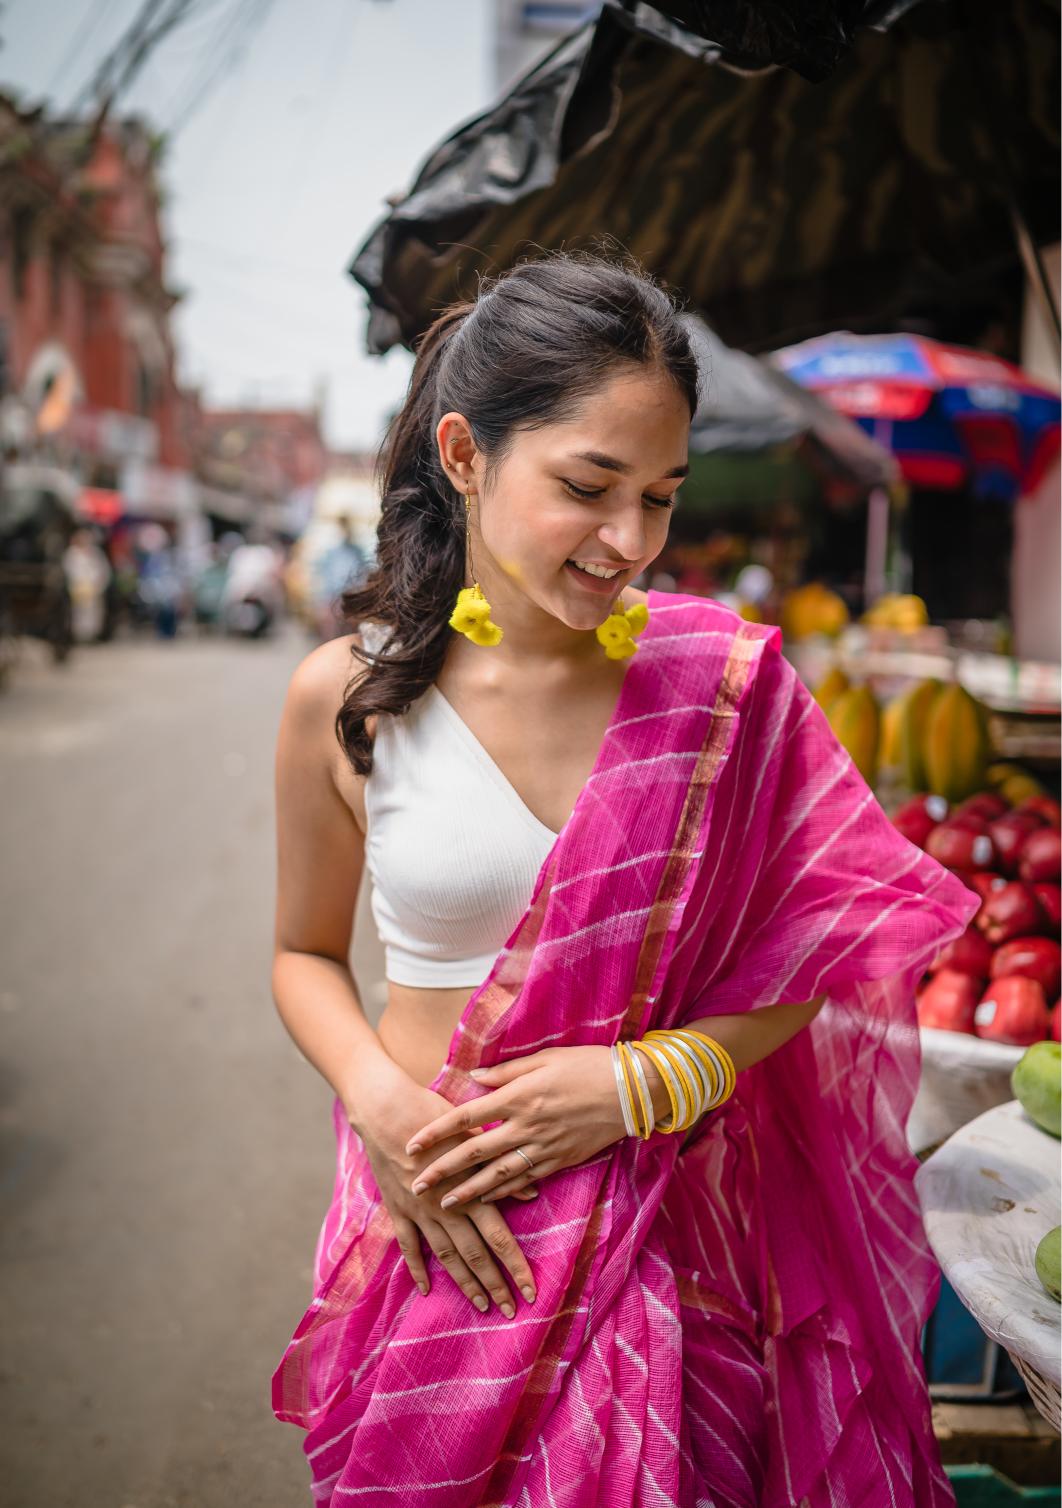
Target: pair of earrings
{"type": "Point", "coordinates": [471, 616]}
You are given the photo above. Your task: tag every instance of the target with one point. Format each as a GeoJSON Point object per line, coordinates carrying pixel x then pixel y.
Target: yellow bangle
{"type": "Point", "coordinates": [642, 1111]}
{"type": "Point", "coordinates": [628, 1077]}
{"type": "Point", "coordinates": [727, 1062]}
{"type": "Point", "coordinates": [661, 1048]}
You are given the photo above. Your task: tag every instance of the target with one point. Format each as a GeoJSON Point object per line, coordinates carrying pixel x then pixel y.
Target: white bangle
{"type": "Point", "coordinates": [624, 1096]}
{"type": "Point", "coordinates": [643, 1083]}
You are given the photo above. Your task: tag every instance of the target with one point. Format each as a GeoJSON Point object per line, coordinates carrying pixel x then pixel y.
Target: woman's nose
{"type": "Point", "coordinates": [625, 534]}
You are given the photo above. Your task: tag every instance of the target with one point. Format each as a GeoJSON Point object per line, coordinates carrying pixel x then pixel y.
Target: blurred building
{"type": "Point", "coordinates": [256, 469]}
{"type": "Point", "coordinates": [86, 351]}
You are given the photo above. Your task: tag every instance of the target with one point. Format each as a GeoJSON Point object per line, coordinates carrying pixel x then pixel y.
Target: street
{"type": "Point", "coordinates": [166, 1153]}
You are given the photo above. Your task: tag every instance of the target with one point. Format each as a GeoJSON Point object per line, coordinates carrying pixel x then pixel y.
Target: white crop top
{"type": "Point", "coordinates": [452, 851]}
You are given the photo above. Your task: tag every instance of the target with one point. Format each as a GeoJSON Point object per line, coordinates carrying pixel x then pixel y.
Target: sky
{"type": "Point", "coordinates": [276, 171]}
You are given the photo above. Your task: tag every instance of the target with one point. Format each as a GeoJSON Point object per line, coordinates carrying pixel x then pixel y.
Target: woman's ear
{"type": "Point", "coordinates": [457, 449]}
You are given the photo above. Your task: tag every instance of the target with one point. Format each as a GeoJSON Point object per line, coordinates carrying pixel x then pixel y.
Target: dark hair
{"type": "Point", "coordinates": [534, 344]}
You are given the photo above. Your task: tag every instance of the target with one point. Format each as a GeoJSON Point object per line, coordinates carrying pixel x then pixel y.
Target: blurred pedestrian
{"type": "Point", "coordinates": [88, 575]}
{"type": "Point", "coordinates": [340, 567]}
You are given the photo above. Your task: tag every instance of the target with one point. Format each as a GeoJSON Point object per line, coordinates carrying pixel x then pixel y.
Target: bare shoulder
{"type": "Point", "coordinates": [319, 683]}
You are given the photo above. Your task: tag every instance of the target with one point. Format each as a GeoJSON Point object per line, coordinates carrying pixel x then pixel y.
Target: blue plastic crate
{"type": "Point", "coordinates": [962, 1364]}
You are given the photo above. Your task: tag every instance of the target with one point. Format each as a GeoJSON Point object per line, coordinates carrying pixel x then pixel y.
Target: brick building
{"type": "Point", "coordinates": [86, 353]}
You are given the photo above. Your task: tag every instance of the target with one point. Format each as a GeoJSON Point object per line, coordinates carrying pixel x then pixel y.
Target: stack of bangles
{"type": "Point", "coordinates": [697, 1072]}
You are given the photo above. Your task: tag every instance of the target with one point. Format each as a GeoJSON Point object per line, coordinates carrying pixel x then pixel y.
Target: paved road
{"type": "Point", "coordinates": [165, 1153]}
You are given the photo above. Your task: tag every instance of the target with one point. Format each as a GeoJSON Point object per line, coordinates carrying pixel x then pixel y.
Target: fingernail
{"type": "Point", "coordinates": [508, 1311]}
{"type": "Point", "coordinates": [481, 1303]}
{"type": "Point", "coordinates": [529, 1294]}
{"type": "Point", "coordinates": [444, 1204]}
{"type": "Point", "coordinates": [419, 1187]}
{"type": "Point", "coordinates": [475, 1073]}
{"type": "Point", "coordinates": [423, 1288]}
{"type": "Point", "coordinates": [414, 1146]}
{"type": "Point", "coordinates": [533, 1194]}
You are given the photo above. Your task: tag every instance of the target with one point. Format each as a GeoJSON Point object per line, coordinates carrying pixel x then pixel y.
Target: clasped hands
{"type": "Point", "coordinates": [559, 1106]}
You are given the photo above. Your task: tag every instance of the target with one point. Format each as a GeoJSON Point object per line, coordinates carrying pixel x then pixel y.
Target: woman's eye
{"type": "Point", "coordinates": [659, 502]}
{"type": "Point", "coordinates": [582, 492]}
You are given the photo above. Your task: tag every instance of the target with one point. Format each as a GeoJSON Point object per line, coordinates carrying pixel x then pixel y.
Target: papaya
{"type": "Point", "coordinates": [830, 687]}
{"type": "Point", "coordinates": [889, 752]}
{"type": "Point", "coordinates": [855, 719]}
{"type": "Point", "coordinates": [955, 746]}
{"type": "Point", "coordinates": [917, 703]}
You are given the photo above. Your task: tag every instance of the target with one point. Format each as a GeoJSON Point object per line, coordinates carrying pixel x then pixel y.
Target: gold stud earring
{"type": "Point", "coordinates": [471, 614]}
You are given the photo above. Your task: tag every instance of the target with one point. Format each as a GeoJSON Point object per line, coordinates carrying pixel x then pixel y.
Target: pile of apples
{"type": "Point", "coordinates": [1000, 980]}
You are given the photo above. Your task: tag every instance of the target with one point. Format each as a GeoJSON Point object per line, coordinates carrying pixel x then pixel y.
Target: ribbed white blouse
{"type": "Point", "coordinates": [451, 849]}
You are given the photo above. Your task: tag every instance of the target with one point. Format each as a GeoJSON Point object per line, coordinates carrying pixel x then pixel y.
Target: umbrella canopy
{"type": "Point", "coordinates": [749, 407]}
{"type": "Point", "coordinates": [952, 416]}
{"type": "Point", "coordinates": [781, 208]}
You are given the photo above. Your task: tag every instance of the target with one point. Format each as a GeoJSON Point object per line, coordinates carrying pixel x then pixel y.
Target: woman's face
{"type": "Point", "coordinates": [595, 488]}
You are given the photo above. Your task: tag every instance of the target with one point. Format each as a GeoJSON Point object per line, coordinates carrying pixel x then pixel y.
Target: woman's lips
{"type": "Point", "coordinates": [600, 584]}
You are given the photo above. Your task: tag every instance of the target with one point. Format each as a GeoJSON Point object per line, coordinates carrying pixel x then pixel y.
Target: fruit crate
{"type": "Point", "coordinates": [984, 1487]}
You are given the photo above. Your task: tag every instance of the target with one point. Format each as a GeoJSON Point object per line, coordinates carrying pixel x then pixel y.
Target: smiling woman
{"type": "Point", "coordinates": [602, 826]}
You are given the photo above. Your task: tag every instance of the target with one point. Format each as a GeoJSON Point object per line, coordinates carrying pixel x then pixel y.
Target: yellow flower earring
{"type": "Point", "coordinates": [471, 616]}
{"type": "Point", "coordinates": [621, 628]}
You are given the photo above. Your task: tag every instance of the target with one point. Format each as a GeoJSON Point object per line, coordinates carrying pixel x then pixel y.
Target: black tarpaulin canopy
{"type": "Point", "coordinates": [779, 207]}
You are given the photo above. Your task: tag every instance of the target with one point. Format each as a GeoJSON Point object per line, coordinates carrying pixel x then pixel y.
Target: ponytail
{"type": "Point", "coordinates": [420, 555]}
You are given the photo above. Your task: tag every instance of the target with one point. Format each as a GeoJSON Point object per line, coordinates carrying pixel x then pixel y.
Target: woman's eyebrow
{"type": "Point", "coordinates": [609, 463]}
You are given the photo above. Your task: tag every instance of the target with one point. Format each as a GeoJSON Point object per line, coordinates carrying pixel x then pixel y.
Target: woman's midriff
{"type": "Point", "coordinates": [418, 1024]}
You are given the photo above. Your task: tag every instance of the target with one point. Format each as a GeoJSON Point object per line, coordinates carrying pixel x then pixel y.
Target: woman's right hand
{"type": "Point", "coordinates": [473, 1243]}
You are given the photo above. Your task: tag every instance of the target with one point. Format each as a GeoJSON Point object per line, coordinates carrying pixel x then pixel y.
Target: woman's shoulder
{"type": "Point", "coordinates": [320, 683]}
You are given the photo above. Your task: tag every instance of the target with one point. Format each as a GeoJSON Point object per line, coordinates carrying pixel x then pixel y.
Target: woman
{"type": "Point", "coordinates": [583, 825]}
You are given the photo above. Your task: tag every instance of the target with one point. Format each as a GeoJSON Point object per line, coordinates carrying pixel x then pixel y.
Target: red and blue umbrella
{"type": "Point", "coordinates": [953, 417]}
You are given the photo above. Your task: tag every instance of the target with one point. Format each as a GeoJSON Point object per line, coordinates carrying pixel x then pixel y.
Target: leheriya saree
{"type": "Point", "coordinates": [730, 1318]}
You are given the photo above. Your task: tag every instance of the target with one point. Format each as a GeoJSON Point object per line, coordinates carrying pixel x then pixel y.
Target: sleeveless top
{"type": "Point", "coordinates": [452, 851]}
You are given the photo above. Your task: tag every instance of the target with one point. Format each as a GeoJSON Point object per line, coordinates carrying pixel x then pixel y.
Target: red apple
{"type": "Point", "coordinates": [1012, 1009]}
{"type": "Point", "coordinates": [1041, 856]}
{"type": "Point", "coordinates": [985, 883]}
{"type": "Point", "coordinates": [1042, 806]}
{"type": "Point", "coordinates": [985, 804]}
{"type": "Point", "coordinates": [1050, 898]}
{"type": "Point", "coordinates": [917, 818]}
{"type": "Point", "coordinates": [1009, 834]}
{"type": "Point", "coordinates": [1038, 958]}
{"type": "Point", "coordinates": [974, 822]}
{"type": "Point", "coordinates": [1055, 1026]}
{"type": "Point", "coordinates": [1011, 911]}
{"type": "Point", "coordinates": [949, 1001]}
{"type": "Point", "coordinates": [960, 847]}
{"type": "Point", "coordinates": [969, 953]}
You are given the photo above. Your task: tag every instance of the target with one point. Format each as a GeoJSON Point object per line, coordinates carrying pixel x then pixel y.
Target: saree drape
{"type": "Point", "coordinates": [729, 1318]}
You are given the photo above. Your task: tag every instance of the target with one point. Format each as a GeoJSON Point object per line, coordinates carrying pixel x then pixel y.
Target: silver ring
{"type": "Point", "coordinates": [524, 1155]}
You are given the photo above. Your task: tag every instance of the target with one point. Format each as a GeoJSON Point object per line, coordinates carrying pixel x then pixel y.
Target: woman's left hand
{"type": "Point", "coordinates": [559, 1106]}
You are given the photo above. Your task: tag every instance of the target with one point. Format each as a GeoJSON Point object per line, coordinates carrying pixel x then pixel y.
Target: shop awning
{"type": "Point", "coordinates": [780, 207]}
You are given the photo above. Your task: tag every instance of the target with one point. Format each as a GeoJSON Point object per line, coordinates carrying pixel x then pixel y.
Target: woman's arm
{"type": "Point", "coordinates": [561, 1106]}
{"type": "Point", "coordinates": [320, 855]}
{"type": "Point", "coordinates": [748, 1038]}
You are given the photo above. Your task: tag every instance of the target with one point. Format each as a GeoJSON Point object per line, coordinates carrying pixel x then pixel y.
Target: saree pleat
{"type": "Point", "coordinates": [730, 1318]}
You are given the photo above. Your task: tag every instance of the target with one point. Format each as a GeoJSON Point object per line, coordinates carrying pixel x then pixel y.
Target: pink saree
{"type": "Point", "coordinates": [733, 1318]}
